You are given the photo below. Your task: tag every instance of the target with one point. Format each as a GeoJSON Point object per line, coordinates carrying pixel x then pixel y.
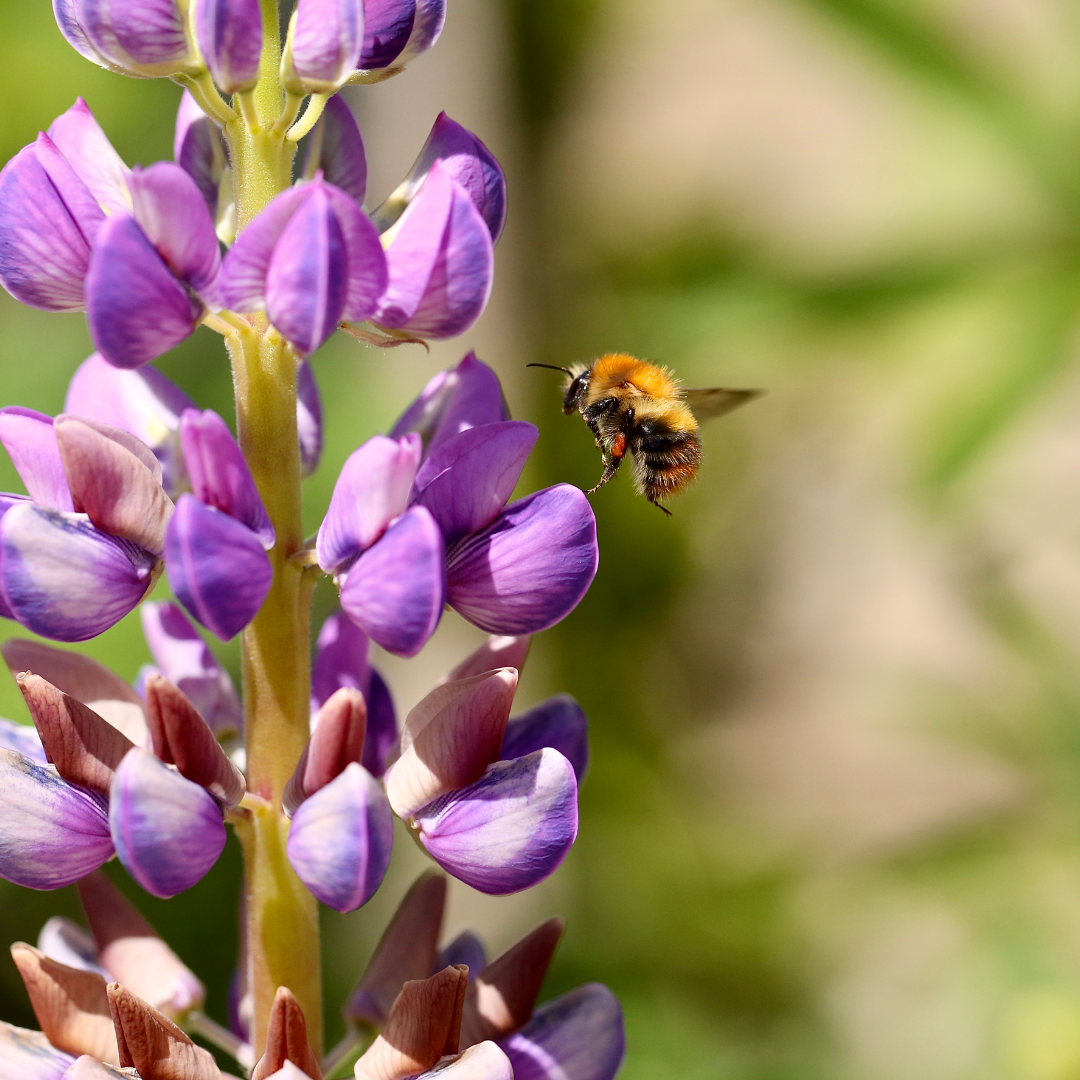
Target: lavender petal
{"type": "Point", "coordinates": [80, 139]}
{"type": "Point", "coordinates": [559, 723]}
{"type": "Point", "coordinates": [29, 437]}
{"type": "Point", "coordinates": [229, 33]}
{"type": "Point", "coordinates": [53, 832]}
{"type": "Point", "coordinates": [308, 419]}
{"type": "Point", "coordinates": [326, 41]}
{"type": "Point", "coordinates": [509, 830]}
{"type": "Point", "coordinates": [395, 590]}
{"type": "Point", "coordinates": [199, 149]}
{"type": "Point", "coordinates": [168, 831]}
{"type": "Point", "coordinates": [217, 567]}
{"type": "Point", "coordinates": [28, 1055]}
{"type": "Point", "coordinates": [427, 26]}
{"type": "Point", "coordinates": [388, 25]}
{"type": "Point", "coordinates": [23, 739]}
{"type": "Point", "coordinates": [336, 147]}
{"type": "Point", "coordinates": [530, 568]}
{"type": "Point", "coordinates": [340, 840]}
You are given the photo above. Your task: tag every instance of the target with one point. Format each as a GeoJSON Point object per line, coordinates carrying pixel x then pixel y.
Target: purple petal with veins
{"type": "Point", "coordinates": [45, 237]}
{"type": "Point", "coordinates": [229, 33]}
{"type": "Point", "coordinates": [326, 42]}
{"type": "Point", "coordinates": [23, 739]}
{"type": "Point", "coordinates": [559, 723]}
{"type": "Point", "coordinates": [578, 1036]}
{"type": "Point", "coordinates": [199, 149]}
{"type": "Point", "coordinates": [466, 480]}
{"type": "Point", "coordinates": [371, 490]}
{"type": "Point", "coordinates": [427, 26]}
{"type": "Point", "coordinates": [341, 838]}
{"type": "Point", "coordinates": [530, 568]}
{"type": "Point", "coordinates": [136, 308]}
{"type": "Point", "coordinates": [80, 139]}
{"type": "Point", "coordinates": [29, 437]}
{"type": "Point", "coordinates": [168, 832]}
{"type": "Point", "coordinates": [186, 660]}
{"type": "Point", "coordinates": [509, 830]}
{"type": "Point", "coordinates": [54, 832]}
{"type": "Point", "coordinates": [455, 400]}
{"type": "Point", "coordinates": [368, 271]}
{"type": "Point", "coordinates": [146, 36]}
{"type": "Point", "coordinates": [63, 578]}
{"type": "Point", "coordinates": [336, 147]}
{"type": "Point", "coordinates": [395, 590]}
{"type": "Point", "coordinates": [171, 211]}
{"type": "Point", "coordinates": [219, 473]}
{"type": "Point", "coordinates": [217, 567]}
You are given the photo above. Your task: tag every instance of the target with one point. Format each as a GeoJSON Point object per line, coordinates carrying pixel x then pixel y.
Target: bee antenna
{"type": "Point", "coordinates": [552, 367]}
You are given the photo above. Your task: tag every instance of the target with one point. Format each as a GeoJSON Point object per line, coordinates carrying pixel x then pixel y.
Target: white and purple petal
{"type": "Point", "coordinates": [219, 473]}
{"type": "Point", "coordinates": [579, 1036]}
{"type": "Point", "coordinates": [81, 140]}
{"type": "Point", "coordinates": [325, 41]}
{"type": "Point", "coordinates": [396, 589]}
{"type": "Point", "coordinates": [23, 739]}
{"type": "Point", "coordinates": [371, 490]}
{"type": "Point", "coordinates": [28, 1055]}
{"type": "Point", "coordinates": [560, 723]}
{"type": "Point", "coordinates": [530, 568]}
{"type": "Point", "coordinates": [187, 662]}
{"type": "Point", "coordinates": [143, 37]}
{"type": "Point", "coordinates": [53, 833]}
{"type": "Point", "coordinates": [340, 840]}
{"type": "Point", "coordinates": [455, 400]}
{"type": "Point", "coordinates": [427, 26]}
{"type": "Point", "coordinates": [217, 567]}
{"type": "Point", "coordinates": [29, 437]}
{"type": "Point", "coordinates": [482, 1061]}
{"type": "Point", "coordinates": [66, 580]}
{"type": "Point", "coordinates": [168, 832]}
{"type": "Point", "coordinates": [136, 308]}
{"type": "Point", "coordinates": [467, 479]}
{"type": "Point", "coordinates": [509, 830]}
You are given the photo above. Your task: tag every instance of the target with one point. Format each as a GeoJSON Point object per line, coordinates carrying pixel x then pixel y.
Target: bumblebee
{"type": "Point", "coordinates": [633, 407]}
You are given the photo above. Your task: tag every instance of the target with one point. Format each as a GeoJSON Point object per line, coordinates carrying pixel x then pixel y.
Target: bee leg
{"type": "Point", "coordinates": [611, 467]}
{"type": "Point", "coordinates": [660, 507]}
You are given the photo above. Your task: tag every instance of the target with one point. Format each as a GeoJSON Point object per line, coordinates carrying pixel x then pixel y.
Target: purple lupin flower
{"type": "Point", "coordinates": [217, 540]}
{"type": "Point", "coordinates": [336, 148]}
{"type": "Point", "coordinates": [199, 148]}
{"type": "Point", "coordinates": [136, 37]}
{"type": "Point", "coordinates": [324, 44]}
{"type": "Point", "coordinates": [229, 33]}
{"type": "Point", "coordinates": [310, 259]}
{"type": "Point", "coordinates": [86, 546]}
{"type": "Point", "coordinates": [395, 33]}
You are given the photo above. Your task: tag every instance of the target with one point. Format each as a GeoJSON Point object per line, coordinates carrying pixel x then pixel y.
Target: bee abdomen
{"type": "Point", "coordinates": [667, 461]}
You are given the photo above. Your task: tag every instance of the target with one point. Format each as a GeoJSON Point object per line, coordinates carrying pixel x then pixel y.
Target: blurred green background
{"type": "Point", "coordinates": [832, 826]}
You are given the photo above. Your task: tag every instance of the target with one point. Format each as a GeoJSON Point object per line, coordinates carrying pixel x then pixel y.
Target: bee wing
{"type": "Point", "coordinates": [707, 403]}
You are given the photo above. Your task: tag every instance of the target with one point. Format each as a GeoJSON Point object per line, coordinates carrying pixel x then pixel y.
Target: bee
{"type": "Point", "coordinates": [637, 408]}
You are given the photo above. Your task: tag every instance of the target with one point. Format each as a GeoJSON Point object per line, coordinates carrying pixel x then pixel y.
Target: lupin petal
{"type": "Point", "coordinates": [287, 1040]}
{"type": "Point", "coordinates": [219, 473]}
{"type": "Point", "coordinates": [468, 161]}
{"type": "Point", "coordinates": [484, 1061]}
{"type": "Point", "coordinates": [501, 998]}
{"type": "Point", "coordinates": [467, 479]}
{"type": "Point", "coordinates": [71, 1005]}
{"type": "Point", "coordinates": [371, 490]}
{"type": "Point", "coordinates": [184, 739]}
{"type": "Point", "coordinates": [84, 679]}
{"type": "Point", "coordinates": [497, 651]}
{"type": "Point", "coordinates": [133, 953]}
{"type": "Point", "coordinates": [23, 740]}
{"type": "Point", "coordinates": [441, 262]}
{"type": "Point", "coordinates": [187, 662]}
{"type": "Point", "coordinates": [29, 437]}
{"type": "Point", "coordinates": [388, 25]}
{"type": "Point", "coordinates": [217, 567]}
{"type": "Point", "coordinates": [324, 45]}
{"type": "Point", "coordinates": [68, 943]}
{"type": "Point", "coordinates": [118, 488]}
{"type": "Point", "coordinates": [88, 1068]}
{"type": "Point", "coordinates": [465, 949]}
{"type": "Point", "coordinates": [142, 402]}
{"type": "Point", "coordinates": [80, 138]}
{"type": "Point", "coordinates": [136, 308]}
{"type": "Point", "coordinates": [558, 722]}
{"type": "Point", "coordinates": [199, 149]}
{"type": "Point", "coordinates": [509, 830]}
{"type": "Point", "coordinates": [151, 1043]}
{"type": "Point", "coordinates": [54, 833]}
{"type": "Point", "coordinates": [336, 742]}
{"type": "Point", "coordinates": [427, 26]}
{"type": "Point", "coordinates": [455, 400]}
{"type": "Point", "coordinates": [341, 838]}
{"type": "Point", "coordinates": [28, 1055]}
{"type": "Point", "coordinates": [168, 831]}
{"type": "Point", "coordinates": [578, 1036]}
{"type": "Point", "coordinates": [229, 33]}
{"type": "Point", "coordinates": [450, 739]}
{"type": "Point", "coordinates": [530, 568]}
{"type": "Point", "coordinates": [64, 579]}
{"type": "Point", "coordinates": [308, 418]}
{"type": "Point", "coordinates": [406, 951]}
{"type": "Point", "coordinates": [395, 590]}
{"type": "Point", "coordinates": [336, 148]}
{"type": "Point", "coordinates": [424, 1026]}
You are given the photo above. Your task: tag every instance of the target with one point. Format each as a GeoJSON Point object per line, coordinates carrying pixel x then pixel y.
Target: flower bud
{"type": "Point", "coordinates": [324, 45]}
{"type": "Point", "coordinates": [229, 33]}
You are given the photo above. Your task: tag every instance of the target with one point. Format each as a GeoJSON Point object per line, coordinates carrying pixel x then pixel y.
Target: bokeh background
{"type": "Point", "coordinates": [832, 825]}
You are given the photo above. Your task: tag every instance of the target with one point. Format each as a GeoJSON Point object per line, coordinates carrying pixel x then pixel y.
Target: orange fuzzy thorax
{"type": "Point", "coordinates": [617, 369]}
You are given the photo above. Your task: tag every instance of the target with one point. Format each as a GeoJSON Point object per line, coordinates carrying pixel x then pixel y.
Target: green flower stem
{"type": "Point", "coordinates": [282, 918]}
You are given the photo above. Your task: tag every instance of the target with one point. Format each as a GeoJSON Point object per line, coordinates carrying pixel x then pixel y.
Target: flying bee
{"type": "Point", "coordinates": [633, 407]}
